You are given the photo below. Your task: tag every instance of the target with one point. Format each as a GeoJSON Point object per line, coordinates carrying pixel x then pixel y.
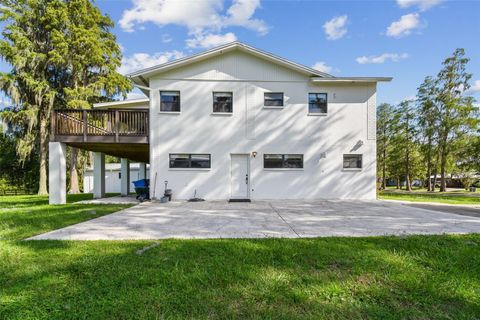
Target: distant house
{"type": "Point", "coordinates": [113, 177]}
{"type": "Point", "coordinates": [233, 122]}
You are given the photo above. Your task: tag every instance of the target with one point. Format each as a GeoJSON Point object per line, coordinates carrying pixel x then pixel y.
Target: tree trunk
{"type": "Point", "coordinates": [398, 183]}
{"type": "Point", "coordinates": [74, 189]}
{"type": "Point", "coordinates": [429, 165]}
{"type": "Point", "coordinates": [407, 177]}
{"type": "Point", "coordinates": [443, 182]}
{"type": "Point", "coordinates": [42, 183]}
{"type": "Point", "coordinates": [384, 170]}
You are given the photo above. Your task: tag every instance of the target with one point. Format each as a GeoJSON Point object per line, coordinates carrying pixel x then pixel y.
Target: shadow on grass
{"type": "Point", "coordinates": [331, 278]}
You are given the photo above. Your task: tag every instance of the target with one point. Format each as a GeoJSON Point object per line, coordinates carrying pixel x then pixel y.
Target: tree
{"type": "Point", "coordinates": [457, 114]}
{"type": "Point", "coordinates": [385, 125]}
{"type": "Point", "coordinates": [61, 54]}
{"type": "Point", "coordinates": [93, 59]}
{"type": "Point", "coordinates": [428, 118]}
{"type": "Point", "coordinates": [403, 140]}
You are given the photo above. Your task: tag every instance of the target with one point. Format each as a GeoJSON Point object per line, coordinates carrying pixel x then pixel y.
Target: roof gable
{"type": "Point", "coordinates": [141, 76]}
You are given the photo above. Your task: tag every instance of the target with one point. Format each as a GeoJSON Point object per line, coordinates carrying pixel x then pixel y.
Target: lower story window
{"type": "Point", "coordinates": [283, 161]}
{"type": "Point", "coordinates": [352, 161]}
{"type": "Point", "coordinates": [186, 160]}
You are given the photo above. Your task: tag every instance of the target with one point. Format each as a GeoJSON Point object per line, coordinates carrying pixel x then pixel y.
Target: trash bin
{"type": "Point", "coordinates": [473, 189]}
{"type": "Point", "coordinates": [142, 189]}
{"type": "Point", "coordinates": [168, 194]}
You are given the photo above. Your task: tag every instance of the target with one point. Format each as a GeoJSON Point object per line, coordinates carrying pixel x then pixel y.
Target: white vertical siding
{"type": "Point", "coordinates": [252, 127]}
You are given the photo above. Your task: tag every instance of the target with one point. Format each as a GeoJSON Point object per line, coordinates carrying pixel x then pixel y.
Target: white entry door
{"type": "Point", "coordinates": [240, 176]}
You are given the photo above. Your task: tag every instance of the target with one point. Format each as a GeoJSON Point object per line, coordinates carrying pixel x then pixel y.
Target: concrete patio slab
{"type": "Point", "coordinates": [261, 219]}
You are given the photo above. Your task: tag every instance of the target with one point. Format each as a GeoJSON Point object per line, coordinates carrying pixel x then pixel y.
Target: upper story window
{"type": "Point", "coordinates": [223, 102]}
{"type": "Point", "coordinates": [170, 101]}
{"type": "Point", "coordinates": [273, 99]}
{"type": "Point", "coordinates": [283, 161]}
{"type": "Point", "coordinates": [189, 161]}
{"type": "Point", "coordinates": [317, 103]}
{"type": "Point", "coordinates": [352, 161]}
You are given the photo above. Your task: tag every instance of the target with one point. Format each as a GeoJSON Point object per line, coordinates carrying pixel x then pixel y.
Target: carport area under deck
{"type": "Point", "coordinates": [120, 133]}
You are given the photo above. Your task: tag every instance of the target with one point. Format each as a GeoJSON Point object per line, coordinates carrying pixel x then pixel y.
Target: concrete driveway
{"type": "Point", "coordinates": [259, 219]}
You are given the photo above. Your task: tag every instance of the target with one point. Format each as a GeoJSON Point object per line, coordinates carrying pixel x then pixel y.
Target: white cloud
{"type": "Point", "coordinates": [140, 60]}
{"type": "Point", "coordinates": [336, 28]}
{"type": "Point", "coordinates": [204, 19]}
{"type": "Point", "coordinates": [210, 40]}
{"type": "Point", "coordinates": [395, 57]}
{"type": "Point", "coordinates": [410, 98]}
{"type": "Point", "coordinates": [421, 4]}
{"type": "Point", "coordinates": [404, 26]}
{"type": "Point", "coordinates": [193, 14]}
{"type": "Point", "coordinates": [322, 66]}
{"type": "Point", "coordinates": [240, 14]}
{"type": "Point", "coordinates": [475, 87]}
{"type": "Point", "coordinates": [166, 38]}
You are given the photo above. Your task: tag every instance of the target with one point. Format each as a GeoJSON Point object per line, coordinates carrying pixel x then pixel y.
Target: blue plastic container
{"type": "Point", "coordinates": [141, 183]}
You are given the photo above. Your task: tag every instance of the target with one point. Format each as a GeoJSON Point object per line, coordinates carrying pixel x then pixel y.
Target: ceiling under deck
{"type": "Point", "coordinates": [133, 151]}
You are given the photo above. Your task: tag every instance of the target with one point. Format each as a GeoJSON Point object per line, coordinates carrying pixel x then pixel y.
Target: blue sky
{"type": "Point", "coordinates": [405, 39]}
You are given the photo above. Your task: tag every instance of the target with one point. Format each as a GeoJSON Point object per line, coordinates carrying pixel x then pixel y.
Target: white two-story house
{"type": "Point", "coordinates": [239, 123]}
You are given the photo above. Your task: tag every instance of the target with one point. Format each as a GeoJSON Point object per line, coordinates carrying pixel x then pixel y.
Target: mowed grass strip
{"type": "Point", "coordinates": [24, 216]}
{"type": "Point", "coordinates": [434, 197]}
{"type": "Point", "coordinates": [418, 277]}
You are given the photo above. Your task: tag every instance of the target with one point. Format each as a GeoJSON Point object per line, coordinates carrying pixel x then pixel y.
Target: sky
{"type": "Point", "coordinates": [403, 39]}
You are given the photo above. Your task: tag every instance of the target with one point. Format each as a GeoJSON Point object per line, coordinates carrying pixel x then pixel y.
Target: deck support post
{"type": "Point", "coordinates": [125, 177]}
{"type": "Point", "coordinates": [98, 175]}
{"type": "Point", "coordinates": [57, 173]}
{"type": "Point", "coordinates": [142, 170]}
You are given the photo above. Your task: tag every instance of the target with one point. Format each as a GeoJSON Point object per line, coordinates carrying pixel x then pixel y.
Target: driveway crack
{"type": "Point", "coordinates": [283, 219]}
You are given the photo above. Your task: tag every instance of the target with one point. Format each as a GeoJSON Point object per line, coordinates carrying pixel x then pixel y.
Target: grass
{"type": "Point", "coordinates": [448, 197]}
{"type": "Point", "coordinates": [416, 277]}
{"type": "Point", "coordinates": [24, 216]}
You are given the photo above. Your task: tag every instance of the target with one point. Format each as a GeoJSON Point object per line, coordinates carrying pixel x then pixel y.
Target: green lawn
{"type": "Point", "coordinates": [419, 277]}
{"type": "Point", "coordinates": [447, 197]}
{"type": "Point", "coordinates": [24, 216]}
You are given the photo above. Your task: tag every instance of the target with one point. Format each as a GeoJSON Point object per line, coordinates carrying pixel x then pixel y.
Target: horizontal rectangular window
{"type": "Point", "coordinates": [189, 160]}
{"type": "Point", "coordinates": [317, 103]}
{"type": "Point", "coordinates": [277, 161]}
{"type": "Point", "coordinates": [352, 161]}
{"type": "Point", "coordinates": [223, 102]}
{"type": "Point", "coordinates": [170, 101]}
{"type": "Point", "coordinates": [273, 99]}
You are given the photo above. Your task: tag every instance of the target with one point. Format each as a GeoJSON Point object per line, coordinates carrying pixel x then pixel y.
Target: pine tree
{"type": "Point", "coordinates": [456, 109]}
{"type": "Point", "coordinates": [385, 125]}
{"type": "Point", "coordinates": [428, 119]}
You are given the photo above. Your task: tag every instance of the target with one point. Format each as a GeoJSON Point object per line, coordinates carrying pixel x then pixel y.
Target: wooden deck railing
{"type": "Point", "coordinates": [100, 126]}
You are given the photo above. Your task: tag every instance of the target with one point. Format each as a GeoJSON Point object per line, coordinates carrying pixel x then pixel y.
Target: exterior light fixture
{"type": "Point", "coordinates": [254, 154]}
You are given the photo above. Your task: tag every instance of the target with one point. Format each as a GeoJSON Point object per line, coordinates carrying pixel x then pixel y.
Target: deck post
{"type": "Point", "coordinates": [125, 177]}
{"type": "Point", "coordinates": [142, 170]}
{"type": "Point", "coordinates": [57, 173]}
{"type": "Point", "coordinates": [98, 175]}
{"type": "Point", "coordinates": [84, 121]}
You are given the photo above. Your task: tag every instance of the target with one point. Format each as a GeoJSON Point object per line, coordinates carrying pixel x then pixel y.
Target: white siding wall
{"type": "Point", "coordinates": [252, 127]}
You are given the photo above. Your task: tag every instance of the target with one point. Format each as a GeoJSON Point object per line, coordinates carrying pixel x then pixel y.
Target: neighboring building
{"type": "Point", "coordinates": [236, 122]}
{"type": "Point", "coordinates": [113, 177]}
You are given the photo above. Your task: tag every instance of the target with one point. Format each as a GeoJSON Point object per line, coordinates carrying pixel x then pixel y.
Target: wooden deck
{"type": "Point", "coordinates": [120, 133]}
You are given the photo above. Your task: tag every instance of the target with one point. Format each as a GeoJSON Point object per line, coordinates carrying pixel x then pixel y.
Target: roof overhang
{"type": "Point", "coordinates": [141, 77]}
{"type": "Point", "coordinates": [352, 79]}
{"type": "Point", "coordinates": [124, 104]}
